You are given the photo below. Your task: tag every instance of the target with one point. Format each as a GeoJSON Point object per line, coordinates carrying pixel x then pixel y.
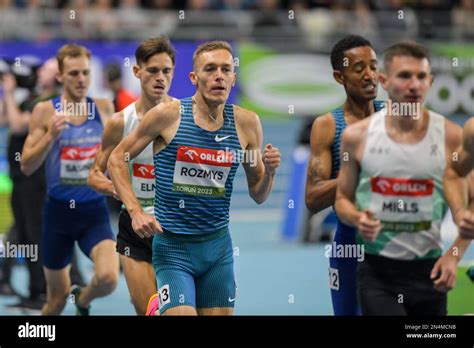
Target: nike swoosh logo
{"type": "Point", "coordinates": [219, 139]}
{"type": "Point", "coordinates": [231, 299]}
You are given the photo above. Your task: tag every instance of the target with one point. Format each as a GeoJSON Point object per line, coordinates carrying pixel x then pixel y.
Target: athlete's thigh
{"type": "Point", "coordinates": [342, 282]}
{"type": "Point", "coordinates": [216, 287]}
{"type": "Point", "coordinates": [96, 239]}
{"type": "Point", "coordinates": [141, 282]}
{"type": "Point", "coordinates": [176, 288]}
{"type": "Point", "coordinates": [57, 236]}
{"type": "Point", "coordinates": [342, 274]}
{"type": "Point", "coordinates": [175, 276]}
{"type": "Point", "coordinates": [378, 296]}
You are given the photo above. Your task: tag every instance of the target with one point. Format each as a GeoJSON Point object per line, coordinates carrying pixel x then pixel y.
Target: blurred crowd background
{"type": "Point", "coordinates": [317, 20]}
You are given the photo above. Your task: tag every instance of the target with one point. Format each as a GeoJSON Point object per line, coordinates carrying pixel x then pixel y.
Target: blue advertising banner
{"type": "Point", "coordinates": [122, 52]}
{"type": "Point", "coordinates": [103, 53]}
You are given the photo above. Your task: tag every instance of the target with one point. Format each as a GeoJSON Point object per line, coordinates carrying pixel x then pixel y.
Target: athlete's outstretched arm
{"type": "Point", "coordinates": [347, 181]}
{"type": "Point", "coordinates": [460, 161]}
{"type": "Point", "coordinates": [347, 184]}
{"type": "Point", "coordinates": [320, 189]}
{"type": "Point", "coordinates": [260, 172]}
{"type": "Point", "coordinates": [112, 135]}
{"type": "Point", "coordinates": [40, 136]}
{"type": "Point", "coordinates": [151, 127]}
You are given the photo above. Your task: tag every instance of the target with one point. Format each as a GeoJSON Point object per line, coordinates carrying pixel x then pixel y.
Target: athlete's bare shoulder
{"type": "Point", "coordinates": [45, 106]}
{"type": "Point", "coordinates": [245, 118]}
{"type": "Point", "coordinates": [105, 106]}
{"type": "Point", "coordinates": [42, 112]}
{"type": "Point", "coordinates": [452, 129]}
{"type": "Point", "coordinates": [355, 133]}
{"type": "Point", "coordinates": [115, 124]}
{"type": "Point", "coordinates": [168, 111]}
{"type": "Point", "coordinates": [453, 135]}
{"type": "Point", "coordinates": [469, 128]}
{"type": "Point", "coordinates": [323, 130]}
{"type": "Point", "coordinates": [162, 120]}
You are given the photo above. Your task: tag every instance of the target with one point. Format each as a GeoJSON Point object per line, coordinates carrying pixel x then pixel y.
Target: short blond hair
{"type": "Point", "coordinates": [71, 50]}
{"type": "Point", "coordinates": [211, 46]}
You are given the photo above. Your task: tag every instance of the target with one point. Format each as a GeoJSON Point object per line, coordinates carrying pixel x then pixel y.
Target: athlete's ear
{"type": "Point", "coordinates": [136, 71]}
{"type": "Point", "coordinates": [235, 79]}
{"type": "Point", "coordinates": [193, 78]}
{"type": "Point", "coordinates": [383, 80]}
{"type": "Point", "coordinates": [59, 77]}
{"type": "Point", "coordinates": [431, 77]}
{"type": "Point", "coordinates": [338, 77]}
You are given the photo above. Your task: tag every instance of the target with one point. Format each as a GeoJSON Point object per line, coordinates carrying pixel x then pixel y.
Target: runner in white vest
{"type": "Point", "coordinates": [155, 66]}
{"type": "Point", "coordinates": [391, 188]}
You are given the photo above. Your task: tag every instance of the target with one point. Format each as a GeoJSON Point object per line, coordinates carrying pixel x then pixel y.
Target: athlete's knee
{"type": "Point", "coordinates": [57, 301]}
{"type": "Point", "coordinates": [107, 281]}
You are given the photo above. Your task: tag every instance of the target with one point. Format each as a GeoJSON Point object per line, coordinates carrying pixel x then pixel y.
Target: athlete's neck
{"type": "Point", "coordinates": [213, 113]}
{"type": "Point", "coordinates": [408, 123]}
{"type": "Point", "coordinates": [65, 97]}
{"type": "Point", "coordinates": [357, 109]}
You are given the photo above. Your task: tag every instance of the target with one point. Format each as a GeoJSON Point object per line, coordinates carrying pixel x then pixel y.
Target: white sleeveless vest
{"type": "Point", "coordinates": [141, 168]}
{"type": "Point", "coordinates": [402, 185]}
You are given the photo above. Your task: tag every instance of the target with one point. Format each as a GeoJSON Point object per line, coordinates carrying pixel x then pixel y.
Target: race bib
{"type": "Point", "coordinates": [76, 162]}
{"type": "Point", "coordinates": [143, 182]}
{"type": "Point", "coordinates": [333, 278]}
{"type": "Point", "coordinates": [201, 172]}
{"type": "Point", "coordinates": [402, 205]}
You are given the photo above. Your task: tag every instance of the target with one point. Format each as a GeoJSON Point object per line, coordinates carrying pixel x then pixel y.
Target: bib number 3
{"type": "Point", "coordinates": [164, 295]}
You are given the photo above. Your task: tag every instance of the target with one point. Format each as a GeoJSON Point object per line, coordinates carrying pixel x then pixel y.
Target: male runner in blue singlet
{"type": "Point", "coordinates": [66, 132]}
{"type": "Point", "coordinates": [355, 67]}
{"type": "Point", "coordinates": [197, 143]}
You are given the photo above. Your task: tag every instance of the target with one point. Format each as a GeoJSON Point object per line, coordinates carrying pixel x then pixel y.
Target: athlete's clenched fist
{"type": "Point", "coordinates": [271, 158]}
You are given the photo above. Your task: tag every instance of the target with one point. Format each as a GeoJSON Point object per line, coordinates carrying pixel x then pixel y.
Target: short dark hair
{"type": "Point", "coordinates": [405, 48]}
{"type": "Point", "coordinates": [150, 47]}
{"type": "Point", "coordinates": [343, 45]}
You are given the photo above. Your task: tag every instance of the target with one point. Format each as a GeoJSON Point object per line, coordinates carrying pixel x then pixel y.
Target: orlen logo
{"type": "Point", "coordinates": [72, 153]}
{"type": "Point", "coordinates": [402, 187]}
{"type": "Point", "coordinates": [90, 153]}
{"type": "Point", "coordinates": [79, 152]}
{"type": "Point", "coordinates": [191, 154]}
{"type": "Point", "coordinates": [383, 185]}
{"type": "Point", "coordinates": [198, 155]}
{"type": "Point", "coordinates": [146, 171]}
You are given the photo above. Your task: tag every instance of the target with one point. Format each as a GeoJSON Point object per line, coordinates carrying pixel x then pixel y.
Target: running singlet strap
{"type": "Point", "coordinates": [338, 115]}
{"type": "Point", "coordinates": [194, 175]}
{"type": "Point", "coordinates": [71, 156]}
